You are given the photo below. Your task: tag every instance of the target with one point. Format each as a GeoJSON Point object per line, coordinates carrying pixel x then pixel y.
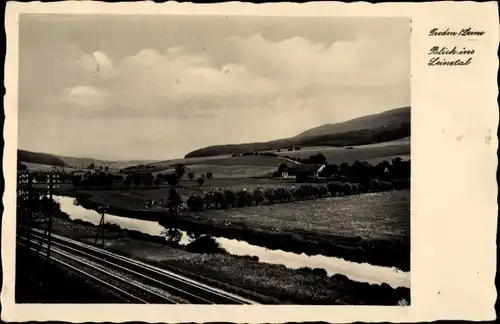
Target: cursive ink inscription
{"type": "Point", "coordinates": [463, 32]}
{"type": "Point", "coordinates": [452, 56]}
{"type": "Point", "coordinates": [436, 50]}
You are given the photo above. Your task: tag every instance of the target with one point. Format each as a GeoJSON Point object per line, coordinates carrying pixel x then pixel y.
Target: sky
{"type": "Point", "coordinates": [156, 87]}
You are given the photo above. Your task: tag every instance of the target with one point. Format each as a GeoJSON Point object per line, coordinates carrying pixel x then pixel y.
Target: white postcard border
{"type": "Point", "coordinates": [454, 162]}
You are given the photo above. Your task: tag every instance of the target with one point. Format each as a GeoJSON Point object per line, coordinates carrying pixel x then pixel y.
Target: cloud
{"type": "Point", "coordinates": [296, 61]}
{"type": "Point", "coordinates": [176, 83]}
{"type": "Point", "coordinates": [164, 102]}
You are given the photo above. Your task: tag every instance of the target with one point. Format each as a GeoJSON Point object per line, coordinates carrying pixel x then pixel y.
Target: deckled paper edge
{"type": "Point", "coordinates": [454, 189]}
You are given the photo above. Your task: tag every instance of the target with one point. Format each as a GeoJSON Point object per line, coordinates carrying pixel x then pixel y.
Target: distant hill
{"type": "Point", "coordinates": [391, 119]}
{"type": "Point", "coordinates": [61, 161]}
{"type": "Point", "coordinates": [78, 162]}
{"type": "Point", "coordinates": [39, 158]}
{"type": "Point", "coordinates": [387, 126]}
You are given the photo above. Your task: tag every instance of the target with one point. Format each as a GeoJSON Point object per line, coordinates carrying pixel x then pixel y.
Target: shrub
{"type": "Point", "coordinates": [195, 203]}
{"type": "Point", "coordinates": [172, 235]}
{"type": "Point", "coordinates": [205, 244]}
{"type": "Point", "coordinates": [111, 227]}
{"type": "Point", "coordinates": [250, 257]}
{"type": "Point", "coordinates": [316, 271]}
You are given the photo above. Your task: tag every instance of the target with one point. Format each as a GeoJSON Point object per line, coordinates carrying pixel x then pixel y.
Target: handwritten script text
{"type": "Point", "coordinates": [452, 56]}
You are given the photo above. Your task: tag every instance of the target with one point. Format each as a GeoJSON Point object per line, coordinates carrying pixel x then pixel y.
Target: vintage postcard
{"type": "Point", "coordinates": [257, 163]}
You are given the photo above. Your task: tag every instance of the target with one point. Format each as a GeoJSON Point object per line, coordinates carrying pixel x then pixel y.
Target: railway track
{"type": "Point", "coordinates": [136, 281]}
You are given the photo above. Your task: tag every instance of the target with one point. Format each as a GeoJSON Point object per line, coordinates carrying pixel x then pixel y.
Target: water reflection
{"type": "Point", "coordinates": [361, 272]}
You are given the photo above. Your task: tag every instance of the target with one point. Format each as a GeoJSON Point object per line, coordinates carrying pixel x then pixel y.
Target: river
{"type": "Point", "coordinates": [360, 272]}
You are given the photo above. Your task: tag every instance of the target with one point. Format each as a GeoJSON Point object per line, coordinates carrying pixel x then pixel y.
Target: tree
{"type": "Point", "coordinates": [172, 235]}
{"type": "Point", "coordinates": [344, 168]}
{"type": "Point", "coordinates": [180, 170]}
{"type": "Point", "coordinates": [282, 168]}
{"type": "Point", "coordinates": [195, 203]}
{"type": "Point", "coordinates": [102, 179]}
{"type": "Point", "coordinates": [128, 181]}
{"type": "Point", "coordinates": [91, 166]}
{"type": "Point", "coordinates": [171, 179]}
{"type": "Point", "coordinates": [209, 175]}
{"type": "Point", "coordinates": [200, 181]}
{"type": "Point", "coordinates": [397, 161]}
{"type": "Point", "coordinates": [21, 167]}
{"type": "Point", "coordinates": [191, 175]}
{"type": "Point", "coordinates": [148, 180]}
{"type": "Point", "coordinates": [203, 176]}
{"type": "Point", "coordinates": [174, 201]}
{"type": "Point", "coordinates": [157, 182]}
{"type": "Point", "coordinates": [137, 180]}
{"type": "Point", "coordinates": [316, 159]}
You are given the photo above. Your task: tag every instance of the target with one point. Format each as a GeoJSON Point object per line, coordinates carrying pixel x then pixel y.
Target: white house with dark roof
{"type": "Point", "coordinates": [309, 170]}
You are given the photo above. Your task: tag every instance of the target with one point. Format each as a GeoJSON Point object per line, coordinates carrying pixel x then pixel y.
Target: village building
{"type": "Point", "coordinates": [303, 171]}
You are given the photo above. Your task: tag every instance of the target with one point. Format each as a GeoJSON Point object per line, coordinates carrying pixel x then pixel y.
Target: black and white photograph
{"type": "Point", "coordinates": [176, 159]}
{"type": "Point", "coordinates": [250, 163]}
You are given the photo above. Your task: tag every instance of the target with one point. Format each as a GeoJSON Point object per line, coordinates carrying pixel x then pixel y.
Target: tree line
{"type": "Point", "coordinates": [227, 198]}
{"type": "Point", "coordinates": [104, 179]}
{"type": "Point", "coordinates": [359, 171]}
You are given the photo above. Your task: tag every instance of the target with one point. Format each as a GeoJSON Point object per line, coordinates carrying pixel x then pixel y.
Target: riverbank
{"type": "Point", "coordinates": [390, 249]}
{"type": "Point", "coordinates": [243, 275]}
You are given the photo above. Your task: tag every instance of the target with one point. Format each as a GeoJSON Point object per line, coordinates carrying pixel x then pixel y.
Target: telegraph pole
{"type": "Point", "coordinates": [24, 200]}
{"type": "Point", "coordinates": [53, 183]}
{"type": "Point", "coordinates": [53, 180]}
{"type": "Point", "coordinates": [101, 209]}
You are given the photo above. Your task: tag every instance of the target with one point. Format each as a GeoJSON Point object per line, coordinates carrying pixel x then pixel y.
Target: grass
{"type": "Point", "coordinates": [263, 282]}
{"type": "Point", "coordinates": [227, 171]}
{"type": "Point", "coordinates": [135, 197]}
{"type": "Point", "coordinates": [249, 166]}
{"type": "Point", "coordinates": [384, 215]}
{"type": "Point", "coordinates": [337, 155]}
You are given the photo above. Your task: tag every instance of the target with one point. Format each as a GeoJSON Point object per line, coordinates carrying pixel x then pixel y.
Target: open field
{"type": "Point", "coordinates": [227, 166]}
{"type": "Point", "coordinates": [374, 216]}
{"type": "Point", "coordinates": [224, 166]}
{"type": "Point", "coordinates": [134, 198]}
{"type": "Point", "coordinates": [227, 171]}
{"type": "Point", "coordinates": [376, 161]}
{"type": "Point", "coordinates": [337, 155]}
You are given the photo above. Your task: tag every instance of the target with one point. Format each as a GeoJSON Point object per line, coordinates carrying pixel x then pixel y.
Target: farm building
{"type": "Point", "coordinates": [78, 176]}
{"type": "Point", "coordinates": [303, 171]}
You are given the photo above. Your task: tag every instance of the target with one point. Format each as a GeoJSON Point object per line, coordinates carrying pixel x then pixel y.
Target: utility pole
{"type": "Point", "coordinates": [53, 180]}
{"type": "Point", "coordinates": [24, 201]}
{"type": "Point", "coordinates": [102, 210]}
